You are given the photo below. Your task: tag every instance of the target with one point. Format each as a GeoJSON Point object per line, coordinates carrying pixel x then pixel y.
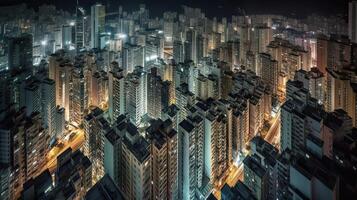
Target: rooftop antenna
{"type": "Point", "coordinates": [77, 8]}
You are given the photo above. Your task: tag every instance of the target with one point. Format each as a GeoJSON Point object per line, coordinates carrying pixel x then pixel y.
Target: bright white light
{"type": "Point", "coordinates": [66, 138]}
{"type": "Point", "coordinates": [72, 23]}
{"type": "Point", "coordinates": [238, 160]}
{"type": "Point", "coordinates": [150, 58]}
{"type": "Point", "coordinates": [72, 47]}
{"type": "Point", "coordinates": [109, 33]}
{"type": "Point", "coordinates": [48, 189]}
{"type": "Point", "coordinates": [122, 35]}
{"type": "Point", "coordinates": [44, 42]}
{"type": "Point", "coordinates": [160, 31]}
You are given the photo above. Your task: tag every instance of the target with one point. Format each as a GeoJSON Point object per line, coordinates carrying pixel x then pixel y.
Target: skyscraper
{"type": "Point", "coordinates": [48, 105]}
{"type": "Point", "coordinates": [78, 97]}
{"type": "Point", "coordinates": [200, 47]}
{"type": "Point", "coordinates": [116, 94]}
{"type": "Point", "coordinates": [153, 50]}
{"type": "Point", "coordinates": [32, 97]}
{"type": "Point", "coordinates": [60, 71]}
{"type": "Point", "coordinates": [190, 158]}
{"type": "Point", "coordinates": [99, 87]}
{"type": "Point", "coordinates": [164, 151]}
{"type": "Point", "coordinates": [267, 155]}
{"type": "Point", "coordinates": [269, 71]}
{"type": "Point", "coordinates": [132, 56]}
{"type": "Point", "coordinates": [128, 161]}
{"type": "Point", "coordinates": [289, 57]}
{"type": "Point", "coordinates": [184, 99]}
{"type": "Point", "coordinates": [240, 128]}
{"type": "Point", "coordinates": [256, 178]}
{"type": "Point", "coordinates": [136, 95]}
{"type": "Point", "coordinates": [95, 128]}
{"type": "Point", "coordinates": [159, 94]}
{"type": "Point", "coordinates": [314, 81]}
{"type": "Point", "coordinates": [321, 53]}
{"type": "Point", "coordinates": [80, 28]}
{"type": "Point", "coordinates": [97, 24]}
{"type": "Point", "coordinates": [60, 122]}
{"type": "Point", "coordinates": [178, 51]}
{"type": "Point", "coordinates": [301, 118]}
{"type": "Point", "coordinates": [352, 21]}
{"type": "Point", "coordinates": [28, 146]}
{"type": "Point", "coordinates": [191, 45]}
{"type": "Point", "coordinates": [341, 91]}
{"type": "Point", "coordinates": [311, 178]}
{"type": "Point", "coordinates": [261, 37]}
{"type": "Point", "coordinates": [20, 52]}
{"type": "Point", "coordinates": [136, 167]}
{"type": "Point", "coordinates": [171, 113]}
{"type": "Point", "coordinates": [244, 44]}
{"type": "Point", "coordinates": [154, 87]}
{"type": "Point", "coordinates": [67, 36]}
{"type": "Point", "coordinates": [72, 167]}
{"type": "Point", "coordinates": [5, 181]}
{"type": "Point", "coordinates": [292, 128]}
{"type": "Point", "coordinates": [112, 154]}
{"type": "Point", "coordinates": [215, 139]}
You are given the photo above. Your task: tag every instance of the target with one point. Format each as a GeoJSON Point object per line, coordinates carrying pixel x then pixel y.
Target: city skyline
{"type": "Point", "coordinates": [155, 100]}
{"type": "Point", "coordinates": [221, 8]}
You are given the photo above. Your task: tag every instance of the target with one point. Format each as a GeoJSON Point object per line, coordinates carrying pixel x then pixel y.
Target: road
{"type": "Point", "coordinates": [236, 173]}
{"type": "Point", "coordinates": [273, 134]}
{"type": "Point", "coordinates": [75, 143]}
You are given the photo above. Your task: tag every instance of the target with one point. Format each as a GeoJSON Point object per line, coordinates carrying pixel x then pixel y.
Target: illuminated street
{"type": "Point", "coordinates": [75, 143]}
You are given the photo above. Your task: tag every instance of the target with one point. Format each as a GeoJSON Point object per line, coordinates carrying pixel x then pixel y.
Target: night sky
{"type": "Point", "coordinates": [298, 8]}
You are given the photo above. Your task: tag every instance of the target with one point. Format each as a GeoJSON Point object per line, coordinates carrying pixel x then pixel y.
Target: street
{"type": "Point", "coordinates": [75, 143]}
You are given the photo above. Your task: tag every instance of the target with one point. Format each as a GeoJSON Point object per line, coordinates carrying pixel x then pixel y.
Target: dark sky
{"type": "Point", "coordinates": [299, 8]}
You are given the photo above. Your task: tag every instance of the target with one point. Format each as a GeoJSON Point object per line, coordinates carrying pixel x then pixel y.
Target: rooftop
{"type": "Point", "coordinates": [253, 165]}
{"type": "Point", "coordinates": [104, 189]}
{"type": "Point", "coordinates": [140, 148]}
{"type": "Point", "coordinates": [187, 126]}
